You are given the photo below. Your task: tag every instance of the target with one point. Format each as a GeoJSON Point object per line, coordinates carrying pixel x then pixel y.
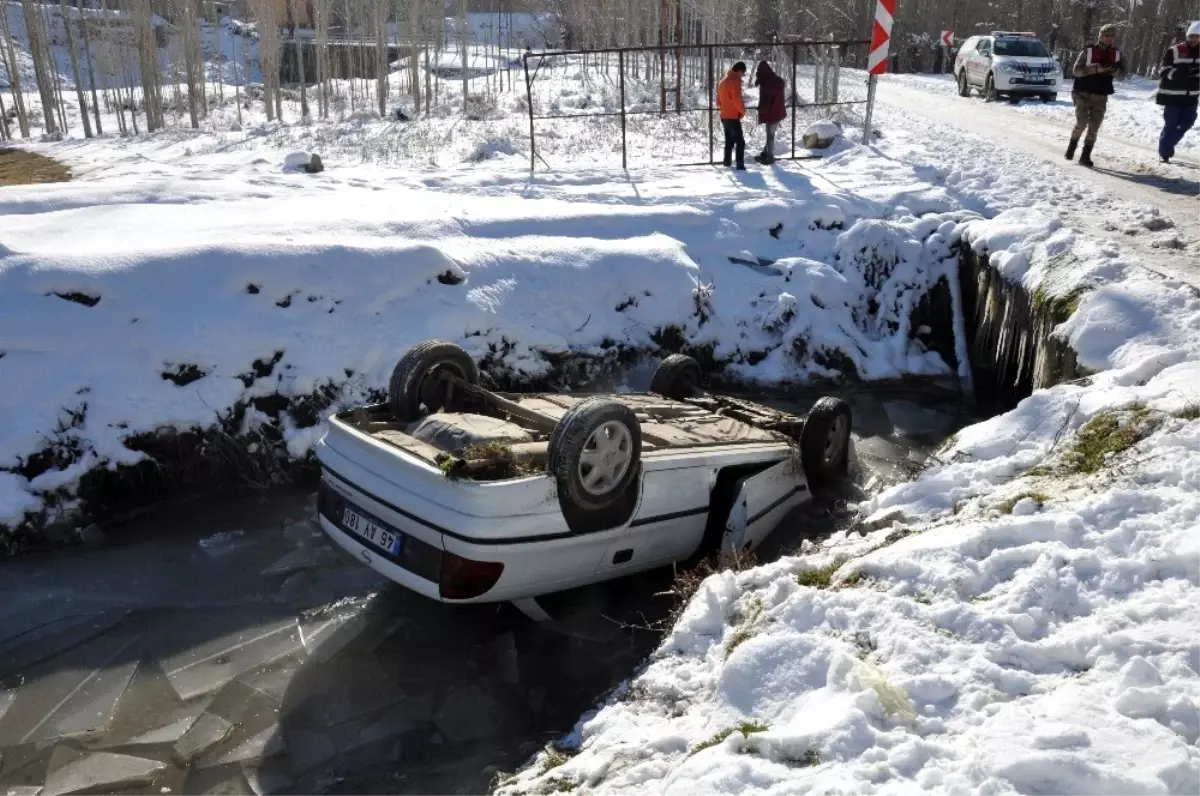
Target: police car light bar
{"type": "Point", "coordinates": [1027, 34]}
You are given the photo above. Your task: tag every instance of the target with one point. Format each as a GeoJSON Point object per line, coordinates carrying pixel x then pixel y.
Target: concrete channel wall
{"type": "Point", "coordinates": [1010, 336]}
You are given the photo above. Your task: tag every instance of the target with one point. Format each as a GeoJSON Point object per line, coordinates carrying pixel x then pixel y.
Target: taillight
{"type": "Point", "coordinates": [463, 579]}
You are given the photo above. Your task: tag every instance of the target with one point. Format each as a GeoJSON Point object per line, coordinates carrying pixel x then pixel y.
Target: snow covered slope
{"type": "Point", "coordinates": [165, 294]}
{"type": "Point", "coordinates": [1021, 618]}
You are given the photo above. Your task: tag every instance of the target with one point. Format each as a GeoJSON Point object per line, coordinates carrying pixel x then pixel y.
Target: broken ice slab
{"type": "Point", "coordinates": [207, 731]}
{"type": "Point", "coordinates": [24, 766]}
{"type": "Point", "coordinates": [267, 743]}
{"type": "Point", "coordinates": [224, 780]}
{"type": "Point", "coordinates": [213, 664]}
{"type": "Point", "coordinates": [301, 558]}
{"type": "Point", "coordinates": [305, 532]}
{"type": "Point", "coordinates": [274, 678]}
{"type": "Point", "coordinates": [169, 733]}
{"type": "Point", "coordinates": [75, 693]}
{"type": "Point", "coordinates": [150, 711]}
{"type": "Point", "coordinates": [349, 688]}
{"type": "Point", "coordinates": [91, 707]}
{"type": "Point", "coordinates": [23, 790]}
{"type": "Point", "coordinates": [326, 632]}
{"type": "Point", "coordinates": [105, 771]}
{"type": "Point", "coordinates": [249, 714]}
{"type": "Point", "coordinates": [220, 544]}
{"type": "Point", "coordinates": [26, 646]}
{"type": "Point", "coordinates": [7, 696]}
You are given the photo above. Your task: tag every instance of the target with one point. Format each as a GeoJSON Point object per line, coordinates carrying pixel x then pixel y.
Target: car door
{"type": "Point", "coordinates": [964, 56]}
{"type": "Point", "coordinates": [981, 61]}
{"type": "Point", "coordinates": [667, 524]}
{"type": "Point", "coordinates": [761, 502]}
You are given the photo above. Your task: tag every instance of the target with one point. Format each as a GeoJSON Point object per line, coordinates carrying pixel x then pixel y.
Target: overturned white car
{"type": "Point", "coordinates": [467, 495]}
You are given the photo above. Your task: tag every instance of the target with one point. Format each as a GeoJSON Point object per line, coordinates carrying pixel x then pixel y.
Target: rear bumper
{"type": "Point", "coordinates": [530, 567]}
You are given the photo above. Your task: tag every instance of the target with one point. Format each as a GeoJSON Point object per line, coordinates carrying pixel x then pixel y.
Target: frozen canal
{"type": "Point", "coordinates": [222, 646]}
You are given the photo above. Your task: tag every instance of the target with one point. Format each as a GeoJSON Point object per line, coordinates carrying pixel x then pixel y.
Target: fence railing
{"type": "Point", "coordinates": [630, 82]}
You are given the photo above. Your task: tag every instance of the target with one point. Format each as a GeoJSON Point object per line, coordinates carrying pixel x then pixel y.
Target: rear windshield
{"type": "Point", "coordinates": [1025, 48]}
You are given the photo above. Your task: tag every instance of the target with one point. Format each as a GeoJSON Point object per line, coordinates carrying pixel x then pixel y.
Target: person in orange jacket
{"type": "Point", "coordinates": [732, 109]}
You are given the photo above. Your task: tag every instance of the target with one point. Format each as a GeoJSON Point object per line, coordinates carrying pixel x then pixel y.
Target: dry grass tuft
{"type": "Point", "coordinates": [22, 167]}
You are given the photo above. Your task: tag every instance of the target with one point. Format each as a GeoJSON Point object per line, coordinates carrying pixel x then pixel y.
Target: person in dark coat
{"type": "Point", "coordinates": [772, 107]}
{"type": "Point", "coordinates": [1179, 91]}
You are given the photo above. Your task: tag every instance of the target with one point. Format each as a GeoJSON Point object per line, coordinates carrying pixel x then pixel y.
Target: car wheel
{"type": "Point", "coordinates": [825, 441]}
{"type": "Point", "coordinates": [595, 457]}
{"type": "Point", "coordinates": [989, 90]}
{"type": "Point", "coordinates": [676, 377]}
{"type": "Point", "coordinates": [964, 90]}
{"type": "Point", "coordinates": [414, 389]}
{"type": "Point", "coordinates": [1049, 97]}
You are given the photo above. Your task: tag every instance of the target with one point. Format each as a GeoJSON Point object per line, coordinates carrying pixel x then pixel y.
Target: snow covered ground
{"type": "Point", "coordinates": [1132, 112]}
{"type": "Point", "coordinates": [1022, 618]}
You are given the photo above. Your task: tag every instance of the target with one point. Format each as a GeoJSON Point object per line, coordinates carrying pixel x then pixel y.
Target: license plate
{"type": "Point", "coordinates": [372, 532]}
{"type": "Point", "coordinates": [1035, 82]}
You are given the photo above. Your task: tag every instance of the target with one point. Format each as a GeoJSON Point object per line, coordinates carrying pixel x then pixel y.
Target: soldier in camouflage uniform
{"type": "Point", "coordinates": [1094, 70]}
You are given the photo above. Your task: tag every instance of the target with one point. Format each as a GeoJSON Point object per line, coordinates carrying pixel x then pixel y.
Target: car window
{"type": "Point", "coordinates": [985, 46]}
{"type": "Point", "coordinates": [1024, 48]}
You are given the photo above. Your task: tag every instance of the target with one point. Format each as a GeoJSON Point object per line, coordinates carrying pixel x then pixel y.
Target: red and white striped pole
{"type": "Point", "coordinates": [881, 38]}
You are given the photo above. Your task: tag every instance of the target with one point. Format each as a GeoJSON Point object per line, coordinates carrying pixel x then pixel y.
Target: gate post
{"type": "Point", "coordinates": [621, 83]}
{"type": "Point", "coordinates": [795, 55]}
{"type": "Point", "coordinates": [529, 102]}
{"type": "Point", "coordinates": [710, 105]}
{"type": "Point", "coordinates": [881, 36]}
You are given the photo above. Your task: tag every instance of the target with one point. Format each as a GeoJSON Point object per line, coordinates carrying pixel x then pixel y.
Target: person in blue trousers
{"type": "Point", "coordinates": [1179, 91]}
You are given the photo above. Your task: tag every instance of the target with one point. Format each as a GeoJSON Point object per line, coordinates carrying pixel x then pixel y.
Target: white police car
{"type": "Point", "coordinates": [1008, 64]}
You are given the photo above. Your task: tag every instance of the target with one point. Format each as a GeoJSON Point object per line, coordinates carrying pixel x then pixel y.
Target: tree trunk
{"type": "Point", "coordinates": [381, 62]}
{"type": "Point", "coordinates": [464, 38]}
{"type": "Point", "coordinates": [10, 67]}
{"type": "Point", "coordinates": [37, 49]}
{"type": "Point", "coordinates": [91, 67]}
{"type": "Point", "coordinates": [83, 111]}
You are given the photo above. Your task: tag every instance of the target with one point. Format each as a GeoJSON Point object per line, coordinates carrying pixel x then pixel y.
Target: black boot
{"type": "Point", "coordinates": [1071, 148]}
{"type": "Point", "coordinates": [1085, 157]}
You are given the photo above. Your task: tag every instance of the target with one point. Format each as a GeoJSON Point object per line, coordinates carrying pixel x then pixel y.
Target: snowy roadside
{"type": "Point", "coordinates": [1132, 113]}
{"type": "Point", "coordinates": [1020, 618]}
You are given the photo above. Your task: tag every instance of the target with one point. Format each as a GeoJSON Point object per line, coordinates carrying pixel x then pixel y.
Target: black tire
{"type": "Point", "coordinates": [1049, 98]}
{"type": "Point", "coordinates": [825, 442]}
{"type": "Point", "coordinates": [610, 501]}
{"type": "Point", "coordinates": [677, 377]}
{"type": "Point", "coordinates": [411, 387]}
{"type": "Point", "coordinates": [964, 90]}
{"type": "Point", "coordinates": [989, 90]}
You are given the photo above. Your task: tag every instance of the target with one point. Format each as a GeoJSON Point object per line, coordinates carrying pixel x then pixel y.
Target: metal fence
{"type": "Point", "coordinates": [624, 84]}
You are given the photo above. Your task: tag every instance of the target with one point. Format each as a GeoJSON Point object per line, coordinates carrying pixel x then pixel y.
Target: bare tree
{"type": "Point", "coordinates": [299, 50]}
{"type": "Point", "coordinates": [380, 8]}
{"type": "Point", "coordinates": [83, 110]}
{"type": "Point", "coordinates": [84, 25]}
{"type": "Point", "coordinates": [9, 59]}
{"type": "Point", "coordinates": [43, 75]}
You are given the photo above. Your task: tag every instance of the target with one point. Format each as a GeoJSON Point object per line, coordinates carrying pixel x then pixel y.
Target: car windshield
{"type": "Point", "coordinates": [1025, 48]}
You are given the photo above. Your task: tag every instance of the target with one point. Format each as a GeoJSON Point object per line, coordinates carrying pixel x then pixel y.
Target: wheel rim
{"type": "Point", "coordinates": [431, 389]}
{"type": "Point", "coordinates": [836, 440]}
{"type": "Point", "coordinates": [605, 458]}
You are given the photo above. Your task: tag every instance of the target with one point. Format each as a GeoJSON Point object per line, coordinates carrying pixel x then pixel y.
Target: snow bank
{"type": "Point", "coordinates": [1021, 618]}
{"type": "Point", "coordinates": [129, 306]}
